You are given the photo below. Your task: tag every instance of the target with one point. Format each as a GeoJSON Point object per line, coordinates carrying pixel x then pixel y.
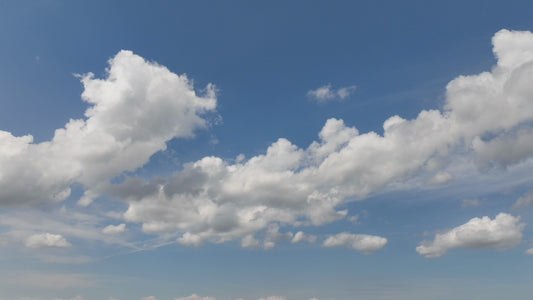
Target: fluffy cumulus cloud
{"type": "Point", "coordinates": [46, 240]}
{"type": "Point", "coordinates": [140, 106]}
{"type": "Point", "coordinates": [221, 200]}
{"type": "Point", "coordinates": [501, 233]}
{"type": "Point", "coordinates": [133, 112]}
{"type": "Point", "coordinates": [326, 93]}
{"type": "Point", "coordinates": [361, 242]}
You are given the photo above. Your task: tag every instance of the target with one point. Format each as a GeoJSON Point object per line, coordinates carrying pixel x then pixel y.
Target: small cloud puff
{"type": "Point", "coordinates": [361, 242]}
{"type": "Point", "coordinates": [300, 236]}
{"type": "Point", "coordinates": [114, 229]}
{"type": "Point", "coordinates": [326, 93]}
{"type": "Point", "coordinates": [46, 240]}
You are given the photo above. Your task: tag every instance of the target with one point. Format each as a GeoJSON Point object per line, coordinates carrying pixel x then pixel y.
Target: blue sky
{"type": "Point", "coordinates": [273, 151]}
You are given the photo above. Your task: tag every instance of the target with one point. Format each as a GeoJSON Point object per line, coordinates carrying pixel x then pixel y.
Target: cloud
{"type": "Point", "coordinates": [18, 225]}
{"type": "Point", "coordinates": [221, 200]}
{"type": "Point", "coordinates": [114, 229]}
{"type": "Point", "coordinates": [139, 106]}
{"type": "Point", "coordinates": [441, 178]}
{"type": "Point", "coordinates": [501, 233]}
{"type": "Point", "coordinates": [524, 201]}
{"type": "Point", "coordinates": [133, 112]}
{"type": "Point", "coordinates": [149, 298]}
{"type": "Point", "coordinates": [46, 240]}
{"type": "Point", "coordinates": [497, 151]}
{"type": "Point", "coordinates": [361, 242]}
{"type": "Point", "coordinates": [327, 94]}
{"type": "Point", "coordinates": [274, 298]}
{"type": "Point", "coordinates": [300, 236]}
{"type": "Point", "coordinates": [529, 251]}
{"type": "Point", "coordinates": [272, 236]}
{"type": "Point", "coordinates": [249, 242]}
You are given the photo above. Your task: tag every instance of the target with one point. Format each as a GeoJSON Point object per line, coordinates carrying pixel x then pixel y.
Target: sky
{"type": "Point", "coordinates": [280, 150]}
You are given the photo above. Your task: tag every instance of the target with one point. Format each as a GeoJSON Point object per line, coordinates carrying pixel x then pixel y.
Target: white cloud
{"type": "Point", "coordinates": [274, 298]}
{"type": "Point", "coordinates": [501, 233]}
{"type": "Point", "coordinates": [140, 106]}
{"type": "Point", "coordinates": [524, 201]}
{"type": "Point", "coordinates": [46, 240]}
{"type": "Point", "coordinates": [249, 242]}
{"type": "Point", "coordinates": [133, 112]}
{"type": "Point", "coordinates": [300, 236]}
{"type": "Point", "coordinates": [470, 203]}
{"type": "Point", "coordinates": [149, 298]}
{"type": "Point", "coordinates": [272, 236]}
{"type": "Point", "coordinates": [114, 229]}
{"type": "Point", "coordinates": [189, 239]}
{"type": "Point", "coordinates": [221, 200]}
{"type": "Point", "coordinates": [361, 242]}
{"type": "Point", "coordinates": [326, 93]}
{"type": "Point", "coordinates": [196, 297]}
{"type": "Point", "coordinates": [529, 251]}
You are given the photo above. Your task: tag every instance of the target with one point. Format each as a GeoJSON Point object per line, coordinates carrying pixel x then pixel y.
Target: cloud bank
{"type": "Point", "coordinates": [221, 200]}
{"type": "Point", "coordinates": [141, 105]}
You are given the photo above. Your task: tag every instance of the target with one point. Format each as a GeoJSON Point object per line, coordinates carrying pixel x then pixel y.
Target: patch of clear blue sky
{"type": "Point", "coordinates": [264, 57]}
